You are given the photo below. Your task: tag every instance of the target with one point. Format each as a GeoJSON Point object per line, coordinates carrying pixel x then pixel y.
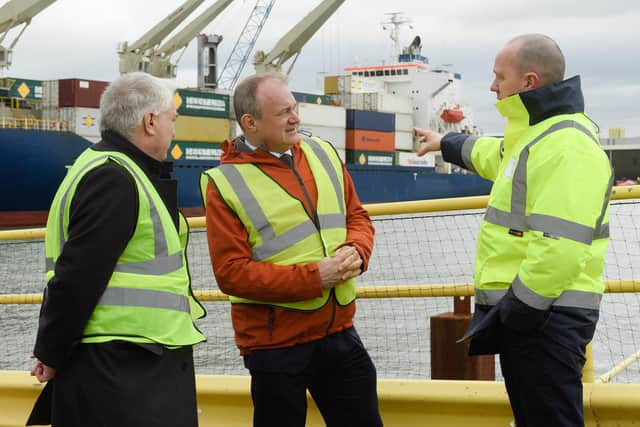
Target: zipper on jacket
{"type": "Point", "coordinates": [315, 219]}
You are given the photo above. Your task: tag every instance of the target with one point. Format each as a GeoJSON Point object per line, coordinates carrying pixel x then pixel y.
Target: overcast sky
{"type": "Point", "coordinates": [600, 40]}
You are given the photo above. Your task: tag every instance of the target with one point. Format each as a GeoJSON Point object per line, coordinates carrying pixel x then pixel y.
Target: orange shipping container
{"type": "Point", "coordinates": [369, 140]}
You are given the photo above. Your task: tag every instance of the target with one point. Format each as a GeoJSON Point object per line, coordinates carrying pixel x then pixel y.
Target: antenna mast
{"type": "Point", "coordinates": [393, 24]}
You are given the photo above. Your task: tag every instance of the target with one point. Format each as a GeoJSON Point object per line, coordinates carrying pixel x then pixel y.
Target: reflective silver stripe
{"type": "Point", "coordinates": [271, 244]}
{"type": "Point", "coordinates": [602, 233]}
{"type": "Point", "coordinates": [155, 267]}
{"type": "Point", "coordinates": [579, 299]}
{"type": "Point", "coordinates": [559, 227]}
{"type": "Point", "coordinates": [332, 221]}
{"type": "Point", "coordinates": [519, 183]}
{"type": "Point", "coordinates": [489, 296]}
{"type": "Point", "coordinates": [159, 236]}
{"type": "Point", "coordinates": [326, 163]}
{"type": "Point", "coordinates": [505, 219]}
{"type": "Point", "coordinates": [130, 297]}
{"type": "Point", "coordinates": [467, 148]}
{"type": "Point", "coordinates": [277, 244]}
{"type": "Point", "coordinates": [599, 226]}
{"type": "Point", "coordinates": [529, 297]}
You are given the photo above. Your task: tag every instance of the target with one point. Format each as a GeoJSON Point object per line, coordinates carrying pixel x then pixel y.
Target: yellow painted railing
{"type": "Point", "coordinates": [226, 401]}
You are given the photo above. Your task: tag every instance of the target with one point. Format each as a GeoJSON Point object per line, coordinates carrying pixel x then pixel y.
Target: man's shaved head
{"type": "Point", "coordinates": [541, 54]}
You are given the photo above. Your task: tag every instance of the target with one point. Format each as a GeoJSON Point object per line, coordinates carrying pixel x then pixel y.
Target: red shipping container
{"type": "Point", "coordinates": [80, 93]}
{"type": "Point", "coordinates": [370, 140]}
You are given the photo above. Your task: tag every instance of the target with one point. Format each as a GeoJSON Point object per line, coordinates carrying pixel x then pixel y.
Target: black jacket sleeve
{"type": "Point", "coordinates": [103, 217]}
{"type": "Point", "coordinates": [451, 147]}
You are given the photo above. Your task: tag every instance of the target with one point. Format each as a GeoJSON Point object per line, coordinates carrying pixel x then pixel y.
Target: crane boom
{"type": "Point", "coordinates": [15, 13]}
{"type": "Point", "coordinates": [161, 65]}
{"type": "Point", "coordinates": [291, 43]}
{"type": "Point", "coordinates": [155, 35]}
{"type": "Point", "coordinates": [134, 56]}
{"type": "Point", "coordinates": [245, 43]}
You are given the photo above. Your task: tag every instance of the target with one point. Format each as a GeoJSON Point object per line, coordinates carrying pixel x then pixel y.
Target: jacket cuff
{"type": "Point", "coordinates": [451, 147]}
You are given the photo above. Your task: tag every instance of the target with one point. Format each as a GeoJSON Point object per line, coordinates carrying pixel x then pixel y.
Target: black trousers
{"type": "Point", "coordinates": [543, 368]}
{"type": "Point", "coordinates": [337, 371]}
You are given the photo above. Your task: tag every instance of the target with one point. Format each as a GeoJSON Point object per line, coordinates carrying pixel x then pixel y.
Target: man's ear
{"type": "Point", "coordinates": [532, 80]}
{"type": "Point", "coordinates": [148, 123]}
{"type": "Point", "coordinates": [248, 122]}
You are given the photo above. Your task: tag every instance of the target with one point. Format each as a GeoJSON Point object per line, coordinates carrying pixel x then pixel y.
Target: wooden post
{"type": "Point", "coordinates": [449, 360]}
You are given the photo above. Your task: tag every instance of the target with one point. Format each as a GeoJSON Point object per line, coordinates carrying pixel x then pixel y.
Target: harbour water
{"type": "Point", "coordinates": [412, 249]}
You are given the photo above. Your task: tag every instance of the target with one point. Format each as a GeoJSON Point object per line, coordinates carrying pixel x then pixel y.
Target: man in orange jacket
{"type": "Point", "coordinates": [287, 235]}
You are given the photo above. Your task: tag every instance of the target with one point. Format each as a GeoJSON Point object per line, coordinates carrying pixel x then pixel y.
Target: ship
{"type": "Point", "coordinates": [45, 125]}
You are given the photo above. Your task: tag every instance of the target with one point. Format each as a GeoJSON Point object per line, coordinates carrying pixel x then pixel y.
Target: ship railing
{"type": "Point", "coordinates": [423, 259]}
{"type": "Point", "coordinates": [31, 123]}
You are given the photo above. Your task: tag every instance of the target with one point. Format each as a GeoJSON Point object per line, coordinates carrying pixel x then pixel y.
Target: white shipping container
{"type": "Point", "coordinates": [411, 159]}
{"type": "Point", "coordinates": [404, 122]}
{"type": "Point", "coordinates": [322, 115]}
{"type": "Point", "coordinates": [50, 97]}
{"type": "Point", "coordinates": [404, 141]}
{"type": "Point", "coordinates": [81, 120]}
{"type": "Point", "coordinates": [335, 135]}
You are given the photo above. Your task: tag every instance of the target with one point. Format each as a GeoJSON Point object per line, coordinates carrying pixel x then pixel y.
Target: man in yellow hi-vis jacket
{"type": "Point", "coordinates": [540, 255]}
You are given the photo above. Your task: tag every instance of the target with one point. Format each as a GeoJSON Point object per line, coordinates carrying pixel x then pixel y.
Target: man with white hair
{"type": "Point", "coordinates": [540, 253]}
{"type": "Point", "coordinates": [116, 327]}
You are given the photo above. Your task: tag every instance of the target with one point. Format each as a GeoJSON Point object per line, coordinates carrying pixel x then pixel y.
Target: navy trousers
{"type": "Point", "coordinates": [337, 371]}
{"type": "Point", "coordinates": [542, 368]}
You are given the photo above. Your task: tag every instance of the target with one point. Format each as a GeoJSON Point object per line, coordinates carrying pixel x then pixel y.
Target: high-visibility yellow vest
{"type": "Point", "coordinates": [280, 230]}
{"type": "Point", "coordinates": [546, 230]}
{"type": "Point", "coordinates": [148, 297]}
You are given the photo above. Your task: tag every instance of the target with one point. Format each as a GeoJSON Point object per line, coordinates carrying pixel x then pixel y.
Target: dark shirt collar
{"type": "Point", "coordinates": [564, 97]}
{"type": "Point", "coordinates": [113, 141]}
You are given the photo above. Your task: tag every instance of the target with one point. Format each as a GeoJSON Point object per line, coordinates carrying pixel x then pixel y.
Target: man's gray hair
{"type": "Point", "coordinates": [245, 95]}
{"type": "Point", "coordinates": [129, 97]}
{"type": "Point", "coordinates": [540, 53]}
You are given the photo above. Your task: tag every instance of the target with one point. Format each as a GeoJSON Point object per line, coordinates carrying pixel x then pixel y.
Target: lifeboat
{"type": "Point", "coordinates": [451, 115]}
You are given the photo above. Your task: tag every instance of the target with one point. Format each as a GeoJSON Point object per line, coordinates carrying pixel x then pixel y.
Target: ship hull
{"type": "Point", "coordinates": [35, 162]}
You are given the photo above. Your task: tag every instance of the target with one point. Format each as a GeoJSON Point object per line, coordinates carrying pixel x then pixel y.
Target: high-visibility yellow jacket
{"type": "Point", "coordinates": [148, 297]}
{"type": "Point", "coordinates": [545, 231]}
{"type": "Point", "coordinates": [280, 230]}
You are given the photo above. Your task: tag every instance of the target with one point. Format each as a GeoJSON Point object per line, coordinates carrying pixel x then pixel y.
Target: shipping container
{"type": "Point", "coordinates": [335, 135]}
{"type": "Point", "coordinates": [404, 141]}
{"type": "Point", "coordinates": [50, 94]}
{"type": "Point", "coordinates": [21, 88]}
{"type": "Point", "coordinates": [80, 93]}
{"type": "Point", "coordinates": [79, 120]}
{"type": "Point", "coordinates": [202, 104]}
{"type": "Point", "coordinates": [367, 140]}
{"type": "Point", "coordinates": [357, 84]}
{"type": "Point", "coordinates": [311, 98]}
{"type": "Point", "coordinates": [371, 120]}
{"type": "Point", "coordinates": [331, 85]}
{"type": "Point", "coordinates": [193, 151]}
{"type": "Point", "coordinates": [370, 158]}
{"type": "Point", "coordinates": [404, 122]}
{"type": "Point", "coordinates": [412, 160]}
{"type": "Point", "coordinates": [202, 129]}
{"type": "Point", "coordinates": [321, 115]}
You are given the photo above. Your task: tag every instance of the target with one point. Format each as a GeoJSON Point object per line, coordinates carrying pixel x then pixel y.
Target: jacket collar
{"type": "Point", "coordinates": [535, 106]}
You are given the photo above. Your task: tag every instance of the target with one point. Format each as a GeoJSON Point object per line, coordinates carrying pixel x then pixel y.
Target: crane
{"type": "Point", "coordinates": [241, 50]}
{"type": "Point", "coordinates": [160, 59]}
{"type": "Point", "coordinates": [135, 56]}
{"type": "Point", "coordinates": [147, 55]}
{"type": "Point", "coordinates": [15, 13]}
{"type": "Point", "coordinates": [292, 42]}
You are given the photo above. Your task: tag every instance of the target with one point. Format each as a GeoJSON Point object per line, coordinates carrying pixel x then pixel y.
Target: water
{"type": "Point", "coordinates": [413, 249]}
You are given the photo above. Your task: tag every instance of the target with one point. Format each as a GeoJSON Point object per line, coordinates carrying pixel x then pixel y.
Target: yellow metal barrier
{"type": "Point", "coordinates": [226, 401]}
